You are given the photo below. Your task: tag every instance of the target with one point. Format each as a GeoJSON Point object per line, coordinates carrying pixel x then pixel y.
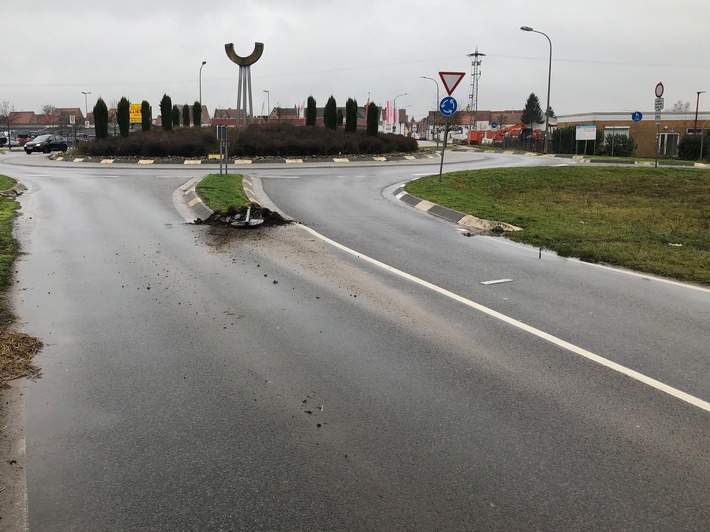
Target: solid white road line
{"type": "Point", "coordinates": [674, 392]}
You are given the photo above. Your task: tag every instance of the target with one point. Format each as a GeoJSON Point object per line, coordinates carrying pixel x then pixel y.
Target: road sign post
{"type": "Point", "coordinates": [451, 80]}
{"type": "Point", "coordinates": [636, 116]}
{"type": "Point", "coordinates": [658, 91]}
{"type": "Point", "coordinates": [448, 106]}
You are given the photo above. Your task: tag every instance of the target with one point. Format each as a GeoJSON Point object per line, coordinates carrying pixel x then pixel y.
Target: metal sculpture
{"type": "Point", "coordinates": [244, 83]}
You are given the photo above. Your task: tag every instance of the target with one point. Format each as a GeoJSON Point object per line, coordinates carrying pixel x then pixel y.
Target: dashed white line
{"type": "Point", "coordinates": [674, 392]}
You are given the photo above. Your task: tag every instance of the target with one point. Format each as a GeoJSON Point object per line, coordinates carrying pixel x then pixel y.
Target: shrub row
{"type": "Point", "coordinates": [277, 140]}
{"type": "Point", "coordinates": [287, 140]}
{"type": "Point", "coordinates": [187, 142]}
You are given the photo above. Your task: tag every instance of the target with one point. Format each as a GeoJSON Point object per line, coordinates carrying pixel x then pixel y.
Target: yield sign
{"type": "Point", "coordinates": [451, 80]}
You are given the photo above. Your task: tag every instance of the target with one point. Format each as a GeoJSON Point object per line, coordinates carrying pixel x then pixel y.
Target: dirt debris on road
{"type": "Point", "coordinates": [236, 214]}
{"type": "Point", "coordinates": [16, 353]}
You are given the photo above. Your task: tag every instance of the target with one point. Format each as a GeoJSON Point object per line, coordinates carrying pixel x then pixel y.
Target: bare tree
{"type": "Point", "coordinates": [49, 110]}
{"type": "Point", "coordinates": [681, 107]}
{"type": "Point", "coordinates": [113, 117]}
{"type": "Point", "coordinates": [7, 118]}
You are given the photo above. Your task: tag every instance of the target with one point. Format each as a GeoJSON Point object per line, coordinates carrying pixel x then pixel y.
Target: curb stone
{"type": "Point", "coordinates": [465, 220]}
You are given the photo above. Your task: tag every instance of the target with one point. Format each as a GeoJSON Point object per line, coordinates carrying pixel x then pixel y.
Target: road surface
{"type": "Point", "coordinates": [212, 379]}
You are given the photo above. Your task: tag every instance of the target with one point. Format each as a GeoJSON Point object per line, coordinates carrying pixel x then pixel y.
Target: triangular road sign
{"type": "Point", "coordinates": [451, 80]}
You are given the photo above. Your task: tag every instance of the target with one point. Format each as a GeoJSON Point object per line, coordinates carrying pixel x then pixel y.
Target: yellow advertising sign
{"type": "Point", "coordinates": [135, 111]}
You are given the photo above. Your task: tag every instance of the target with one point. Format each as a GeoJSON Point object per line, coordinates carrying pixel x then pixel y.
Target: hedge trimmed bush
{"type": "Point", "coordinates": [258, 140]}
{"type": "Point", "coordinates": [287, 140]}
{"type": "Point", "coordinates": [183, 142]}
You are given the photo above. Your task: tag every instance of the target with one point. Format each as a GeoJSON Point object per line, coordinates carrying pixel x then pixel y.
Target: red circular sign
{"type": "Point", "coordinates": [659, 90]}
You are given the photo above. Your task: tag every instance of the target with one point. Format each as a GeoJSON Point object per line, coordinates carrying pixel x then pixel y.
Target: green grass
{"type": "Point", "coordinates": [633, 217]}
{"type": "Point", "coordinates": [220, 192]}
{"type": "Point", "coordinates": [8, 246]}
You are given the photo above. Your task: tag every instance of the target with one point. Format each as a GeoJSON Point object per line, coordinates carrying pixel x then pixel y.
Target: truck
{"type": "Point", "coordinates": [517, 132]}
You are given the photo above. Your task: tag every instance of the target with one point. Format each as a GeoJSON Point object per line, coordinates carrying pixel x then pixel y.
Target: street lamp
{"type": "Point", "coordinates": [549, 78]}
{"type": "Point", "coordinates": [475, 76]}
{"type": "Point", "coordinates": [86, 107]}
{"type": "Point", "coordinates": [436, 106]}
{"type": "Point", "coordinates": [203, 64]}
{"type": "Point", "coordinates": [268, 105]}
{"type": "Point", "coordinates": [396, 117]}
{"type": "Point", "coordinates": [695, 127]}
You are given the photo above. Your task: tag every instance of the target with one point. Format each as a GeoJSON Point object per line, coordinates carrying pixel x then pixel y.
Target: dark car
{"type": "Point", "coordinates": [46, 144]}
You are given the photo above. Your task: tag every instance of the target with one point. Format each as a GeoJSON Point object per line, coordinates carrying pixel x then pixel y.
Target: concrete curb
{"type": "Point", "coordinates": [465, 220]}
{"type": "Point", "coordinates": [198, 207]}
{"type": "Point", "coordinates": [238, 162]}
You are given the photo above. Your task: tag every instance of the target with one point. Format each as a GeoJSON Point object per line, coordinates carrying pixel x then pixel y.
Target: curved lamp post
{"type": "Point", "coordinates": [549, 78]}
{"type": "Point", "coordinates": [395, 110]}
{"type": "Point", "coordinates": [435, 106]}
{"type": "Point", "coordinates": [203, 64]}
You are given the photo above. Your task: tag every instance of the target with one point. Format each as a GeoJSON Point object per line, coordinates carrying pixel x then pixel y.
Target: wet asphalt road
{"type": "Point", "coordinates": [194, 379]}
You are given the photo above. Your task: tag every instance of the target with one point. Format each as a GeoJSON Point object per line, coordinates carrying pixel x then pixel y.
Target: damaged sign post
{"type": "Point", "coordinates": [248, 221]}
{"type": "Point", "coordinates": [223, 149]}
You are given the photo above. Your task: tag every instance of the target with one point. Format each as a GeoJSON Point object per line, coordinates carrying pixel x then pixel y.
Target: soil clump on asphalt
{"type": "Point", "coordinates": [236, 215]}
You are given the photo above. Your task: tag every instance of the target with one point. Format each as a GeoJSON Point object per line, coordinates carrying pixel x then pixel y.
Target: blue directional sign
{"type": "Point", "coordinates": [636, 116]}
{"type": "Point", "coordinates": [494, 125]}
{"type": "Point", "coordinates": [448, 106]}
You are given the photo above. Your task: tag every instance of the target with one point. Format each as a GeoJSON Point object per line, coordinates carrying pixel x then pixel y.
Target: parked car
{"type": "Point", "coordinates": [23, 138]}
{"type": "Point", "coordinates": [46, 144]}
{"type": "Point", "coordinates": [4, 141]}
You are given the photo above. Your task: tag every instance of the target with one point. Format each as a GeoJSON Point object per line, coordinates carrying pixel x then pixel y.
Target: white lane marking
{"type": "Point", "coordinates": [645, 276]}
{"type": "Point", "coordinates": [640, 377]}
{"type": "Point", "coordinates": [497, 281]}
{"type": "Point", "coordinates": [279, 177]}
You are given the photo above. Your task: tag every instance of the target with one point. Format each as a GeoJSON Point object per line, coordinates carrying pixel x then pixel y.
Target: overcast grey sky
{"type": "Point", "coordinates": [608, 55]}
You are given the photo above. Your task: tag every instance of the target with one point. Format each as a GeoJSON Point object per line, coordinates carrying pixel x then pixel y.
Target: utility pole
{"type": "Point", "coordinates": [473, 95]}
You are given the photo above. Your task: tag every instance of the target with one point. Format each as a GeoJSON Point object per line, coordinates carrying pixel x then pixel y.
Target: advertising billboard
{"type": "Point", "coordinates": [586, 133]}
{"type": "Point", "coordinates": [135, 112]}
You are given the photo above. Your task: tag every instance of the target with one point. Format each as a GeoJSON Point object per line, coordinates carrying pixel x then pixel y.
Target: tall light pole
{"type": "Point", "coordinates": [436, 105]}
{"type": "Point", "coordinates": [203, 64]}
{"type": "Point", "coordinates": [394, 111]}
{"type": "Point", "coordinates": [268, 105]}
{"type": "Point", "coordinates": [475, 76]}
{"type": "Point", "coordinates": [695, 127]}
{"type": "Point", "coordinates": [86, 107]}
{"type": "Point", "coordinates": [549, 78]}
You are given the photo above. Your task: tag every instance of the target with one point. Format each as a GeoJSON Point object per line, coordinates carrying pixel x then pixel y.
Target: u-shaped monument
{"type": "Point", "coordinates": [244, 83]}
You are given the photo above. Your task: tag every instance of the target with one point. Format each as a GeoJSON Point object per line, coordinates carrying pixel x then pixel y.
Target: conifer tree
{"type": "Point", "coordinates": [176, 116]}
{"type": "Point", "coordinates": [146, 116]}
{"type": "Point", "coordinates": [351, 116]}
{"type": "Point", "coordinates": [101, 119]}
{"type": "Point", "coordinates": [166, 109]}
{"type": "Point", "coordinates": [330, 114]}
{"type": "Point", "coordinates": [373, 119]}
{"type": "Point", "coordinates": [197, 114]}
{"type": "Point", "coordinates": [311, 111]}
{"type": "Point", "coordinates": [123, 115]}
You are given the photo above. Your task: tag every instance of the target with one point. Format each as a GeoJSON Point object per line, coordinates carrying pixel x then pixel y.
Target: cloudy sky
{"type": "Point", "coordinates": [608, 55]}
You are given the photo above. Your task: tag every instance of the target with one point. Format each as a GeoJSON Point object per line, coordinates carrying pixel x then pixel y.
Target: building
{"type": "Point", "coordinates": [61, 119]}
{"type": "Point", "coordinates": [671, 130]}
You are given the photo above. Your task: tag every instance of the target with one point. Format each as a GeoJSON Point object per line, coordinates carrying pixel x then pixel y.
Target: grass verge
{"type": "Point", "coordinates": [654, 220]}
{"type": "Point", "coordinates": [222, 192]}
{"type": "Point", "coordinates": [16, 349]}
